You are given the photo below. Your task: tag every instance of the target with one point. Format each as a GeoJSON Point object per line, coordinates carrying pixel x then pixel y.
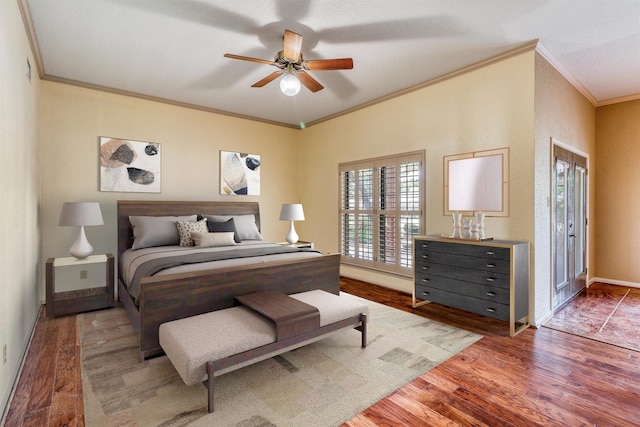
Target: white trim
{"type": "Point", "coordinates": [555, 63]}
{"type": "Point", "coordinates": [614, 282]}
{"type": "Point", "coordinates": [567, 147]}
{"type": "Point", "coordinates": [618, 100]}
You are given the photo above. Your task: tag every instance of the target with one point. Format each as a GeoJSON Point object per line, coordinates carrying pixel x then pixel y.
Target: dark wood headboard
{"type": "Point", "coordinates": [128, 208]}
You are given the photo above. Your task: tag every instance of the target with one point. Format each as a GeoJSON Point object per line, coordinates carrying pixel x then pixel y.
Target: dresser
{"type": "Point", "coordinates": [484, 277]}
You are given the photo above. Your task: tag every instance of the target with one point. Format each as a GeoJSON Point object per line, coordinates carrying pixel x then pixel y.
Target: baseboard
{"type": "Point", "coordinates": [614, 282]}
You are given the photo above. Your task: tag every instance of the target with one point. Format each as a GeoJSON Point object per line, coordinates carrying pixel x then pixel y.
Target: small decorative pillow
{"type": "Point", "coordinates": [185, 228]}
{"type": "Point", "coordinates": [222, 227]}
{"type": "Point", "coordinates": [207, 240]}
{"type": "Point", "coordinates": [245, 225]}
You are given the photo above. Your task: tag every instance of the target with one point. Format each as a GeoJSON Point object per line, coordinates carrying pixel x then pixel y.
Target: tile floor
{"type": "Point", "coordinates": [607, 313]}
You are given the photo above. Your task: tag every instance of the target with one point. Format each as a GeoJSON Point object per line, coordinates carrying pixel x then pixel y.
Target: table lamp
{"type": "Point", "coordinates": [81, 214]}
{"type": "Point", "coordinates": [292, 212]}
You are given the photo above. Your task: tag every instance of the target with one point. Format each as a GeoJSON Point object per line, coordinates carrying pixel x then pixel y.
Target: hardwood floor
{"type": "Point", "coordinates": [542, 377]}
{"type": "Point", "coordinates": [49, 390]}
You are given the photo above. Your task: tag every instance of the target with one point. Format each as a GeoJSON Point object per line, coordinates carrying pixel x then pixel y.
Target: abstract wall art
{"type": "Point", "coordinates": [129, 166]}
{"type": "Point", "coordinates": [239, 173]}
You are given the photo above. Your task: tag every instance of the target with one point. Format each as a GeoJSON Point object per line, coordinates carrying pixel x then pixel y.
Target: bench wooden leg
{"type": "Point", "coordinates": [209, 384]}
{"type": "Point", "coordinates": [363, 328]}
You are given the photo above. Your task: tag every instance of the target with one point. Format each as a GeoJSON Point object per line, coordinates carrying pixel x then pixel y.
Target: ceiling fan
{"type": "Point", "coordinates": [294, 67]}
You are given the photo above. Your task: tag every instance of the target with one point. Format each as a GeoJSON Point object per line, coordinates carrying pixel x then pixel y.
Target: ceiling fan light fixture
{"type": "Point", "coordinates": [289, 84]}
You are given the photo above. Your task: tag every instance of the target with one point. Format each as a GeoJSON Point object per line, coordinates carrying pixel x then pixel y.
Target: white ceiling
{"type": "Point", "coordinates": [173, 49]}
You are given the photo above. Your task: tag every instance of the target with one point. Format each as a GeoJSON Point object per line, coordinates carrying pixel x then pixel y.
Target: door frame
{"type": "Point", "coordinates": [550, 203]}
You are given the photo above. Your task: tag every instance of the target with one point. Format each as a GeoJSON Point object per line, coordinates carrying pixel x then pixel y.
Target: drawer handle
{"type": "Point", "coordinates": [491, 266]}
{"type": "Point", "coordinates": [425, 293]}
{"type": "Point", "coordinates": [425, 256]}
{"type": "Point", "coordinates": [491, 279]}
{"type": "Point", "coordinates": [424, 245]}
{"type": "Point", "coordinates": [424, 268]}
{"type": "Point", "coordinates": [425, 280]}
{"type": "Point", "coordinates": [491, 294]}
{"type": "Point", "coordinates": [491, 310]}
{"type": "Point", "coordinates": [491, 253]}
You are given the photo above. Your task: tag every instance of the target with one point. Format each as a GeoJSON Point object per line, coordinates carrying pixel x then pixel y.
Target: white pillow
{"type": "Point", "coordinates": [207, 240]}
{"type": "Point", "coordinates": [245, 225]}
{"type": "Point", "coordinates": [185, 229]}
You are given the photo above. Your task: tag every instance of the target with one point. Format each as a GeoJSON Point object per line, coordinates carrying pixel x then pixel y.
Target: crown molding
{"type": "Point", "coordinates": [25, 12]}
{"type": "Point", "coordinates": [618, 100]}
{"type": "Point", "coordinates": [555, 63]}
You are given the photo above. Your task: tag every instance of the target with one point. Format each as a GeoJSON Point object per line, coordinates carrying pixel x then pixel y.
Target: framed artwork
{"type": "Point", "coordinates": [239, 173]}
{"type": "Point", "coordinates": [129, 166]}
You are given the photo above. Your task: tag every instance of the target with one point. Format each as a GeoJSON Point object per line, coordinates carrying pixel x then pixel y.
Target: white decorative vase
{"type": "Point", "coordinates": [466, 226]}
{"type": "Point", "coordinates": [474, 231]}
{"type": "Point", "coordinates": [457, 222]}
{"type": "Point", "coordinates": [480, 222]}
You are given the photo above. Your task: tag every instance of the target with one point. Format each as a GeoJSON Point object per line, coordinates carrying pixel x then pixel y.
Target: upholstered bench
{"type": "Point", "coordinates": [211, 344]}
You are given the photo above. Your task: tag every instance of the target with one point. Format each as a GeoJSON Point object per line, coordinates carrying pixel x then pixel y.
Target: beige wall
{"type": "Point", "coordinates": [485, 109]}
{"type": "Point", "coordinates": [565, 115]}
{"type": "Point", "coordinates": [71, 120]}
{"type": "Point", "coordinates": [617, 233]}
{"type": "Point", "coordinates": [19, 247]}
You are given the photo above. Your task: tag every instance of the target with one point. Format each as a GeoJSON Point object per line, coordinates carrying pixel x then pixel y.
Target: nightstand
{"type": "Point", "coordinates": [298, 244]}
{"type": "Point", "coordinates": [84, 284]}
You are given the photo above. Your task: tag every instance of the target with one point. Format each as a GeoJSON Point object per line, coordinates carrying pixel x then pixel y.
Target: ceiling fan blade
{"type": "Point", "coordinates": [330, 64]}
{"type": "Point", "coordinates": [292, 45]}
{"type": "Point", "coordinates": [271, 77]}
{"type": "Point", "coordinates": [248, 58]}
{"type": "Point", "coordinates": [310, 83]}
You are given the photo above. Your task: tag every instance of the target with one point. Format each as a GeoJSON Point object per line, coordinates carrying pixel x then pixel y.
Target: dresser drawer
{"type": "Point", "coordinates": [484, 264]}
{"type": "Point", "coordinates": [486, 277]}
{"type": "Point", "coordinates": [463, 302]}
{"type": "Point", "coordinates": [486, 292]}
{"type": "Point", "coordinates": [473, 250]}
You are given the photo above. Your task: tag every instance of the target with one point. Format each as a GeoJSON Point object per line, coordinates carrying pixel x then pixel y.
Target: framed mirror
{"type": "Point", "coordinates": [477, 182]}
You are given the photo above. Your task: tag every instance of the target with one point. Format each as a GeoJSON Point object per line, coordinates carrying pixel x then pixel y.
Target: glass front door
{"type": "Point", "coordinates": [569, 225]}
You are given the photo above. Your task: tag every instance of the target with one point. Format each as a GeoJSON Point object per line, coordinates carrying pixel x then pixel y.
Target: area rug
{"type": "Point", "coordinates": [321, 384]}
{"type": "Point", "coordinates": [602, 312]}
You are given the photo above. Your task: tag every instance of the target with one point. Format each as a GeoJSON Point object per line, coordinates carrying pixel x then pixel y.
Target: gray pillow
{"type": "Point", "coordinates": [151, 231]}
{"type": "Point", "coordinates": [245, 225]}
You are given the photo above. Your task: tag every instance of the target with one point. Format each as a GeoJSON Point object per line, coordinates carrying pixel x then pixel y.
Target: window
{"type": "Point", "coordinates": [381, 209]}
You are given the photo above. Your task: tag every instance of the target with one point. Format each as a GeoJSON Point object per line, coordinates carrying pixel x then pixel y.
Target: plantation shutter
{"type": "Point", "coordinates": [380, 211]}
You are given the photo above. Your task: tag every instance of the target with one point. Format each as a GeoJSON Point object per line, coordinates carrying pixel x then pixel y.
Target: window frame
{"type": "Point", "coordinates": [356, 212]}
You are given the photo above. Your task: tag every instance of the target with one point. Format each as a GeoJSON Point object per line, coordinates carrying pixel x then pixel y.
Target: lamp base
{"type": "Point", "coordinates": [292, 236]}
{"type": "Point", "coordinates": [81, 247]}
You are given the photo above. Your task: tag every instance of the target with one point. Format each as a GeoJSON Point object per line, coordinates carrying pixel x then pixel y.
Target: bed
{"type": "Point", "coordinates": [162, 296]}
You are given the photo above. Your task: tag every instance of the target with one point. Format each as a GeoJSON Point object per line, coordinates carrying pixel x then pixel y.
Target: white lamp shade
{"type": "Point", "coordinates": [80, 213]}
{"type": "Point", "coordinates": [292, 212]}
